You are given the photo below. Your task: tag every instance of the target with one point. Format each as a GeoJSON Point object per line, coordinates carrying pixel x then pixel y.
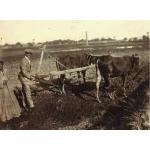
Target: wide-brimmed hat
{"type": "Point", "coordinates": [28, 51]}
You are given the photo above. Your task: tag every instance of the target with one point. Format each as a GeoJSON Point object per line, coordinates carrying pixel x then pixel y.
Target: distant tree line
{"type": "Point", "coordinates": [144, 38]}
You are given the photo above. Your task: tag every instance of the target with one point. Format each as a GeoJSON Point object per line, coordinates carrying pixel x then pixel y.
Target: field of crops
{"type": "Point", "coordinates": [79, 108]}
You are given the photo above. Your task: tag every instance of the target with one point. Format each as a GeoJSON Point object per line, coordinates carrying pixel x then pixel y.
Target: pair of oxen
{"type": "Point", "coordinates": [107, 67]}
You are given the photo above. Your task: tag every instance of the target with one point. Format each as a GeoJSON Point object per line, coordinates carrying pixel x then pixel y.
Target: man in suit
{"type": "Point", "coordinates": [26, 78]}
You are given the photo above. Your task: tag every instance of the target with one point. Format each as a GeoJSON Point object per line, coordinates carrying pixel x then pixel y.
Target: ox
{"type": "Point", "coordinates": [109, 67]}
{"type": "Point", "coordinates": [66, 62]}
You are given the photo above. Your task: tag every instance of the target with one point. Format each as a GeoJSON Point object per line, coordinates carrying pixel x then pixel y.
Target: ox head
{"type": "Point", "coordinates": [135, 61]}
{"type": "Point", "coordinates": [88, 57]}
{"type": "Point", "coordinates": [91, 59]}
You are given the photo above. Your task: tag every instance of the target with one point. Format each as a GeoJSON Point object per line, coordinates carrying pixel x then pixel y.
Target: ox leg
{"type": "Point", "coordinates": [84, 75]}
{"type": "Point", "coordinates": [124, 80]}
{"type": "Point", "coordinates": [107, 82]}
{"type": "Point", "coordinates": [62, 82]}
{"type": "Point", "coordinates": [63, 89]}
{"type": "Point", "coordinates": [98, 80]}
{"type": "Point", "coordinates": [79, 77]}
{"type": "Point", "coordinates": [107, 86]}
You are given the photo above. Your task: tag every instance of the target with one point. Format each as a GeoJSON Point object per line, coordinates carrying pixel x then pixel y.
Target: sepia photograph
{"type": "Point", "coordinates": [74, 75]}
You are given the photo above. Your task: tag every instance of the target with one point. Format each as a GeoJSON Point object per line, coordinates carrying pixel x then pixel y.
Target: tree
{"type": "Point", "coordinates": [82, 40]}
{"type": "Point", "coordinates": [6, 44]}
{"type": "Point", "coordinates": [135, 39]}
{"type": "Point", "coordinates": [95, 40]}
{"type": "Point", "coordinates": [103, 39]}
{"type": "Point", "coordinates": [18, 44]}
{"type": "Point", "coordinates": [30, 44]}
{"type": "Point", "coordinates": [145, 38]}
{"type": "Point", "coordinates": [125, 39]}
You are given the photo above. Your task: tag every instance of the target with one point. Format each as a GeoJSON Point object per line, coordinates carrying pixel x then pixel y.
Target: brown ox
{"type": "Point", "coordinates": [108, 67]}
{"type": "Point", "coordinates": [66, 62]}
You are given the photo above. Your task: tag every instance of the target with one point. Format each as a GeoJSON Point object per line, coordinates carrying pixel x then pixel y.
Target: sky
{"type": "Point", "coordinates": [24, 31]}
